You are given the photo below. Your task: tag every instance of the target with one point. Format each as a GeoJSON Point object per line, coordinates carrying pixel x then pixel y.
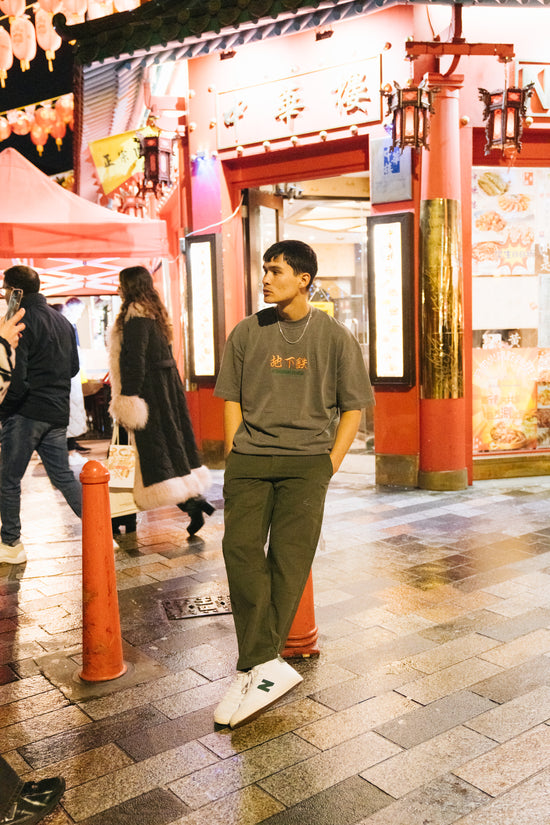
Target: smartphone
{"type": "Point", "coordinates": [14, 302]}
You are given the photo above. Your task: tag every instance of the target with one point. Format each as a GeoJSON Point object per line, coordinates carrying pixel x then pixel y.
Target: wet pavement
{"type": "Point", "coordinates": [428, 705]}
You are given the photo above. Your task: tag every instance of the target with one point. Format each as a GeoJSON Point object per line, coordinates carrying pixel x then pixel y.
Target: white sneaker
{"type": "Point", "coordinates": [12, 554]}
{"type": "Point", "coordinates": [233, 698]}
{"type": "Point", "coordinates": [269, 682]}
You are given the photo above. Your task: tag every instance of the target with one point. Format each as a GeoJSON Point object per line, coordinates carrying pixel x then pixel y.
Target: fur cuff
{"type": "Point", "coordinates": [129, 410]}
{"type": "Point", "coordinates": [172, 491]}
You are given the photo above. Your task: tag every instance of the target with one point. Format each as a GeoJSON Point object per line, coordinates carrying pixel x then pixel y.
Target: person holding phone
{"type": "Point", "coordinates": [14, 302]}
{"type": "Point", "coordinates": [10, 332]}
{"type": "Point", "coordinates": [35, 409]}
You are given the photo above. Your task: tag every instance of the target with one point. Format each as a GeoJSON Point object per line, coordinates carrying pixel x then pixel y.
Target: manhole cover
{"type": "Point", "coordinates": [206, 604]}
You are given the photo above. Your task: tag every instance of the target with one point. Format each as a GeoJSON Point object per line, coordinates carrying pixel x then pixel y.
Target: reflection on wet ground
{"type": "Point", "coordinates": [429, 702]}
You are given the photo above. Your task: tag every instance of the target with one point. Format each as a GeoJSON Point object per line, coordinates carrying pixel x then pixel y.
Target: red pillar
{"type": "Point", "coordinates": [442, 461]}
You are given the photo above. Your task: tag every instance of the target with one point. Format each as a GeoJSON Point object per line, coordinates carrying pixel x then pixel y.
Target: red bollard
{"type": "Point", "coordinates": [303, 635]}
{"type": "Point", "coordinates": [101, 640]}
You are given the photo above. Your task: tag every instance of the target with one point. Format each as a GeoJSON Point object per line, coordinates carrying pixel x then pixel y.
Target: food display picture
{"type": "Point", "coordinates": [543, 399]}
{"type": "Point", "coordinates": [504, 229]}
{"type": "Point", "coordinates": [505, 399]}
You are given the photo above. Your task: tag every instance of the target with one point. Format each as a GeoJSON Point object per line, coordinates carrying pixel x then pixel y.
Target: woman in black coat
{"type": "Point", "coordinates": [148, 399]}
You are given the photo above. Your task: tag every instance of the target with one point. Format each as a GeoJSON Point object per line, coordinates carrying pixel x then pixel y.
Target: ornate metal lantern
{"type": "Point", "coordinates": [504, 112]}
{"type": "Point", "coordinates": [157, 153]}
{"type": "Point", "coordinates": [410, 108]}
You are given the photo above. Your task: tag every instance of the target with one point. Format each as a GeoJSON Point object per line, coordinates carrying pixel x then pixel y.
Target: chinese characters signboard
{"type": "Point", "coordinates": [116, 159]}
{"type": "Point", "coordinates": [328, 98]}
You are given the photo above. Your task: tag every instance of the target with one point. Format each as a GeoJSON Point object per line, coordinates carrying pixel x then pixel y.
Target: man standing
{"type": "Point", "coordinates": [35, 411]}
{"type": "Point", "coordinates": [294, 384]}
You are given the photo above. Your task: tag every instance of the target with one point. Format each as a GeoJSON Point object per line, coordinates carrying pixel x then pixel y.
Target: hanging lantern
{"type": "Point", "coordinates": [51, 6]}
{"type": "Point", "coordinates": [504, 112]}
{"type": "Point", "coordinates": [75, 11]}
{"type": "Point", "coordinates": [99, 8]}
{"type": "Point", "coordinates": [157, 152]}
{"type": "Point", "coordinates": [75, 6]}
{"type": "Point", "coordinates": [6, 56]}
{"type": "Point", "coordinates": [5, 128]}
{"type": "Point", "coordinates": [13, 8]}
{"type": "Point", "coordinates": [126, 5]}
{"type": "Point", "coordinates": [45, 116]}
{"type": "Point", "coordinates": [64, 107]}
{"type": "Point", "coordinates": [410, 108]}
{"type": "Point", "coordinates": [58, 131]}
{"type": "Point", "coordinates": [20, 124]}
{"type": "Point", "coordinates": [47, 37]}
{"type": "Point", "coordinates": [39, 137]}
{"type": "Point", "coordinates": [23, 39]}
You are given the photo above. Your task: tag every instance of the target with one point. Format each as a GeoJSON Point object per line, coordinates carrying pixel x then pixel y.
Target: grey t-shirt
{"type": "Point", "coordinates": [291, 394]}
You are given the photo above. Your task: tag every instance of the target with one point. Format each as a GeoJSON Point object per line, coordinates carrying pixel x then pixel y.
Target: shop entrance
{"type": "Point", "coordinates": [329, 214]}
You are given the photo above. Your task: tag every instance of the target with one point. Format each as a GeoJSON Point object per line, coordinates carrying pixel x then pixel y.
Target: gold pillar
{"type": "Point", "coordinates": [441, 290]}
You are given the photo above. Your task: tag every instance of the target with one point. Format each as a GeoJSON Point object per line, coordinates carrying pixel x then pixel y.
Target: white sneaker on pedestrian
{"type": "Point", "coordinates": [233, 698]}
{"type": "Point", "coordinates": [269, 681]}
{"type": "Point", "coordinates": [12, 554]}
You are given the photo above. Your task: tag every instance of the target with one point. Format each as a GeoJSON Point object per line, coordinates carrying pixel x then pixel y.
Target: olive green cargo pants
{"type": "Point", "coordinates": [281, 497]}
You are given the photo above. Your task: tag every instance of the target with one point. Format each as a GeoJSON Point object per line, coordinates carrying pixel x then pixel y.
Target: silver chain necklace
{"type": "Point", "coordinates": [303, 331]}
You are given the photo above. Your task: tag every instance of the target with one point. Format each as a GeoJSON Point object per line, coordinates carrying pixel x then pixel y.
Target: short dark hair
{"type": "Point", "coordinates": [297, 254]}
{"type": "Point", "coordinates": [22, 277]}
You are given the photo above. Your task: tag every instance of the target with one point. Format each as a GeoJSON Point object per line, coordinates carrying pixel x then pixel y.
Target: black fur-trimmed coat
{"type": "Point", "coordinates": [148, 399]}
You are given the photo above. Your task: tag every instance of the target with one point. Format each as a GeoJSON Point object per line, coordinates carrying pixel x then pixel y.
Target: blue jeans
{"type": "Point", "coordinates": [20, 438]}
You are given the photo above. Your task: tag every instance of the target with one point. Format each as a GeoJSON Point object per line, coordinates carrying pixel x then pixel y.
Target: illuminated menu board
{"type": "Point", "coordinates": [389, 303]}
{"type": "Point", "coordinates": [390, 282]}
{"type": "Point", "coordinates": [203, 309]}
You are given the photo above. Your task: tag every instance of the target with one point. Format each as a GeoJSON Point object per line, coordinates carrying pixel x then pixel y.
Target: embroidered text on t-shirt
{"type": "Point", "coordinates": [293, 364]}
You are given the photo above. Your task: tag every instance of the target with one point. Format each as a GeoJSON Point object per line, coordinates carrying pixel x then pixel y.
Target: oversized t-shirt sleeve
{"type": "Point", "coordinates": [353, 385]}
{"type": "Point", "coordinates": [228, 384]}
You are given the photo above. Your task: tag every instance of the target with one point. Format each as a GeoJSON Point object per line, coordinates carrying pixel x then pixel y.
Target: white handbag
{"type": "Point", "coordinates": [121, 461]}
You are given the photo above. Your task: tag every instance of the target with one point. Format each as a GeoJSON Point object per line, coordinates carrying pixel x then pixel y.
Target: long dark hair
{"type": "Point", "coordinates": [137, 287]}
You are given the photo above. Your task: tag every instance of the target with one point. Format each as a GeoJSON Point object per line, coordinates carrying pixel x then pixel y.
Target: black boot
{"type": "Point", "coordinates": [35, 801]}
{"type": "Point", "coordinates": [195, 508]}
{"type": "Point", "coordinates": [129, 522]}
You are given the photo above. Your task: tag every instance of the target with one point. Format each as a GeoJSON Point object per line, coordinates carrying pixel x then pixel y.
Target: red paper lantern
{"type": "Point", "coordinates": [21, 124]}
{"type": "Point", "coordinates": [47, 37]}
{"type": "Point", "coordinates": [23, 39]}
{"type": "Point", "coordinates": [99, 8]}
{"type": "Point", "coordinates": [58, 131]}
{"type": "Point", "coordinates": [45, 116]}
{"type": "Point", "coordinates": [5, 128]}
{"type": "Point", "coordinates": [52, 6]}
{"type": "Point", "coordinates": [77, 7]}
{"type": "Point", "coordinates": [6, 55]}
{"type": "Point", "coordinates": [39, 137]}
{"type": "Point", "coordinates": [13, 8]}
{"type": "Point", "coordinates": [126, 5]}
{"type": "Point", "coordinates": [64, 107]}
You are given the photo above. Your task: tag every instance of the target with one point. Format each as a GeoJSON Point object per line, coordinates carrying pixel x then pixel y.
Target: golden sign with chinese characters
{"type": "Point", "coordinates": [329, 98]}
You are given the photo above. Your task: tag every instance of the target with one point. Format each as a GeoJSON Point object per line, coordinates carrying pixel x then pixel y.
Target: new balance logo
{"type": "Point", "coordinates": [266, 685]}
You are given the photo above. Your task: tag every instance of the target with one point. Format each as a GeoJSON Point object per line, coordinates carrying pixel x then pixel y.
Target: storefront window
{"type": "Point", "coordinates": [511, 309]}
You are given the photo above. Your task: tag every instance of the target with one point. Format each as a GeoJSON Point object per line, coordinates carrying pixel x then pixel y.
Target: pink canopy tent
{"type": "Point", "coordinates": [40, 220]}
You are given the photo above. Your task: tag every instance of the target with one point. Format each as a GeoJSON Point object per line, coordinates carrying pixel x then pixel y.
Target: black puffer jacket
{"type": "Point", "coordinates": [47, 359]}
{"type": "Point", "coordinates": [148, 398]}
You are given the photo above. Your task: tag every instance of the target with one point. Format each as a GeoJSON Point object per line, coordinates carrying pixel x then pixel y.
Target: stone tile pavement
{"type": "Point", "coordinates": [428, 705]}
